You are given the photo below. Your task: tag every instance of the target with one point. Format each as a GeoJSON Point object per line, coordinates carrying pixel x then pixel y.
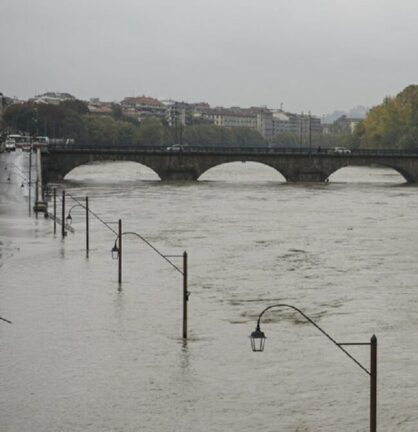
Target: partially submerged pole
{"type": "Point", "coordinates": [185, 295]}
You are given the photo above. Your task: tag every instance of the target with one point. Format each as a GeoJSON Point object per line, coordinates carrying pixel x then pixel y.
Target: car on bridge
{"type": "Point", "coordinates": [10, 145]}
{"type": "Point", "coordinates": [342, 150]}
{"type": "Point", "coordinates": [175, 148]}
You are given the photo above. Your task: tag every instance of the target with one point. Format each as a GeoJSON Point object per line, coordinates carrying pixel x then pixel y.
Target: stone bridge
{"type": "Point", "coordinates": [295, 164]}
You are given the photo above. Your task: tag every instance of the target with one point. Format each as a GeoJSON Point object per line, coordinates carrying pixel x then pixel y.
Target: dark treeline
{"type": "Point", "coordinates": [71, 119]}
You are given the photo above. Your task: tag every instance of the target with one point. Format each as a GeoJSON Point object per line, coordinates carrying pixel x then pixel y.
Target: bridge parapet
{"type": "Point", "coordinates": [232, 150]}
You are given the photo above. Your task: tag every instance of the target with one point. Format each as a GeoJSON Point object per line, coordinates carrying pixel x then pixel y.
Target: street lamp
{"type": "Point", "coordinates": [258, 339]}
{"type": "Point", "coordinates": [69, 220]}
{"type": "Point", "coordinates": [116, 252]}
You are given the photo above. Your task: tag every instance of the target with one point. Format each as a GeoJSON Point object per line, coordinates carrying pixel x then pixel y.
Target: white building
{"type": "Point", "coordinates": [54, 98]}
{"type": "Point", "coordinates": [295, 124]}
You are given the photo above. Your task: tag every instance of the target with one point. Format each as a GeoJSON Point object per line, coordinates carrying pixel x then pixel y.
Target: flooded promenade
{"type": "Point", "coordinates": [83, 355]}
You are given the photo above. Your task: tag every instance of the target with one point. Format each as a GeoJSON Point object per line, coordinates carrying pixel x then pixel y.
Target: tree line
{"type": "Point", "coordinates": [71, 119]}
{"type": "Point", "coordinates": [392, 124]}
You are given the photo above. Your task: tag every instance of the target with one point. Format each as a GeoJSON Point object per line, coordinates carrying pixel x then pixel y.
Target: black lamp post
{"type": "Point", "coordinates": [69, 220]}
{"type": "Point", "coordinates": [117, 254]}
{"type": "Point", "coordinates": [258, 339]}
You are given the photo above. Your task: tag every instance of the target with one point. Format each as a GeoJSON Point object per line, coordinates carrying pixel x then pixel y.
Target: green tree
{"type": "Point", "coordinates": [74, 126]}
{"type": "Point", "coordinates": [102, 131]}
{"type": "Point", "coordinates": [50, 120]}
{"type": "Point", "coordinates": [78, 106]}
{"type": "Point", "coordinates": [393, 124]}
{"type": "Point", "coordinates": [117, 113]}
{"type": "Point", "coordinates": [151, 132]}
{"type": "Point", "coordinates": [21, 118]}
{"type": "Point", "coordinates": [127, 134]}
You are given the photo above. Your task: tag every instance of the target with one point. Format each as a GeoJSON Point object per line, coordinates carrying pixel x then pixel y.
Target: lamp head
{"type": "Point", "coordinates": [115, 252]}
{"type": "Point", "coordinates": [258, 339]}
{"type": "Point", "coordinates": [69, 219]}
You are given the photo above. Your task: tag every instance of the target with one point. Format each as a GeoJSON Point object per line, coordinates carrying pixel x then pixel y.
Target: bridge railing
{"type": "Point", "coordinates": [76, 148]}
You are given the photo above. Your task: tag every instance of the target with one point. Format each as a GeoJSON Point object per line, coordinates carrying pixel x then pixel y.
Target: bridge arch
{"type": "Point", "coordinates": [252, 163]}
{"type": "Point", "coordinates": [402, 173]}
{"type": "Point", "coordinates": [61, 165]}
{"type": "Point", "coordinates": [123, 170]}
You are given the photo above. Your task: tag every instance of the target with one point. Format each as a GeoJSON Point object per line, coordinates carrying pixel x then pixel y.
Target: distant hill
{"type": "Point", "coordinates": [356, 112]}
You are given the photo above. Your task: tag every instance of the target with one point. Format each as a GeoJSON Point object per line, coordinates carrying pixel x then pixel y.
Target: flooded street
{"type": "Point", "coordinates": [83, 355]}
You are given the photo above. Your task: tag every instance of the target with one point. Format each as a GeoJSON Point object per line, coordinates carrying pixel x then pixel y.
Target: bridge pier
{"type": "Point", "coordinates": [178, 175]}
{"type": "Point", "coordinates": [307, 177]}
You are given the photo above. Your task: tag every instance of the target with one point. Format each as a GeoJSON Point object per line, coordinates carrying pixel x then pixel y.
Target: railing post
{"type": "Point", "coordinates": [120, 252]}
{"type": "Point", "coordinates": [63, 215]}
{"type": "Point", "coordinates": [87, 227]}
{"type": "Point", "coordinates": [185, 295]}
{"type": "Point", "coordinates": [373, 384]}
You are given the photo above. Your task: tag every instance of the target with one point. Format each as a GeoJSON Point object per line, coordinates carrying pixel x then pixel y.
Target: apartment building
{"type": "Point", "coordinates": [342, 126]}
{"type": "Point", "coordinates": [52, 98]}
{"type": "Point", "coordinates": [143, 106]}
{"type": "Point", "coordinates": [229, 119]}
{"type": "Point", "coordinates": [295, 124]}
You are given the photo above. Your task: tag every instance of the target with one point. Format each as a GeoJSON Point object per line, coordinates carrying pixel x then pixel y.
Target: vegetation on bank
{"type": "Point", "coordinates": [71, 119]}
{"type": "Point", "coordinates": [392, 124]}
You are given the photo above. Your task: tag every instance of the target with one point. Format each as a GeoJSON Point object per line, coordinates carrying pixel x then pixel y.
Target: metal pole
{"type": "Point", "coordinates": [87, 227]}
{"type": "Point", "coordinates": [63, 215]}
{"type": "Point", "coordinates": [185, 295]}
{"type": "Point", "coordinates": [55, 210]}
{"type": "Point", "coordinates": [30, 175]}
{"type": "Point", "coordinates": [373, 383]}
{"type": "Point", "coordinates": [310, 133]}
{"type": "Point", "coordinates": [301, 130]}
{"type": "Point", "coordinates": [120, 253]}
{"type": "Point", "coordinates": [36, 191]}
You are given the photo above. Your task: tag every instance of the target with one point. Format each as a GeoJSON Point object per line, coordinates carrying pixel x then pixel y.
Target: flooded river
{"type": "Point", "coordinates": [84, 356]}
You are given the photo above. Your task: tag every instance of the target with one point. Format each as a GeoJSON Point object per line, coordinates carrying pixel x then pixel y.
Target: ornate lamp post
{"type": "Point", "coordinates": [258, 339]}
{"type": "Point", "coordinates": [117, 254]}
{"type": "Point", "coordinates": [69, 221]}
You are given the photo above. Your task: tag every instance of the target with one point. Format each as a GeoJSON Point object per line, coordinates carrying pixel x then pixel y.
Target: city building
{"type": "Point", "coordinates": [97, 107]}
{"type": "Point", "coordinates": [295, 124]}
{"type": "Point", "coordinates": [143, 107]}
{"type": "Point", "coordinates": [229, 118]}
{"type": "Point", "coordinates": [53, 98]}
{"type": "Point", "coordinates": [178, 113]}
{"type": "Point", "coordinates": [342, 126]}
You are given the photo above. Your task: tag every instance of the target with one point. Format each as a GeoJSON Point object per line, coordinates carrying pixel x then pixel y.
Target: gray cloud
{"type": "Point", "coordinates": [308, 54]}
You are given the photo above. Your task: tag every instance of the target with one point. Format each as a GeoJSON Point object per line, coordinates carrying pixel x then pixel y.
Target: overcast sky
{"type": "Point", "coordinates": [317, 55]}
